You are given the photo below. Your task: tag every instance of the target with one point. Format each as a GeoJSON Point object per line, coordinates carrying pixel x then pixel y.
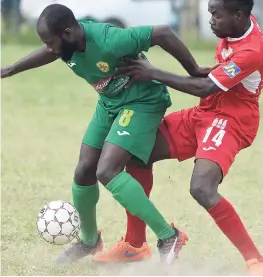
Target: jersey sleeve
{"type": "Point", "coordinates": [229, 74]}
{"type": "Point", "coordinates": [122, 42]}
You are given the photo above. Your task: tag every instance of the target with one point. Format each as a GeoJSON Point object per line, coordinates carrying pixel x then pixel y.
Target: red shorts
{"type": "Point", "coordinates": [206, 135]}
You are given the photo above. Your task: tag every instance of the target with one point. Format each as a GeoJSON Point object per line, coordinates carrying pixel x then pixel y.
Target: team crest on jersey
{"type": "Point", "coordinates": [103, 66]}
{"type": "Point", "coordinates": [232, 70]}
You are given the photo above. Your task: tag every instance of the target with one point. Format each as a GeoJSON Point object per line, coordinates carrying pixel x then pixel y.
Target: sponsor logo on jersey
{"type": "Point", "coordinates": [232, 70]}
{"type": "Point", "coordinates": [102, 84]}
{"type": "Point", "coordinates": [110, 86]}
{"type": "Point", "coordinates": [103, 66]}
{"type": "Point", "coordinates": [226, 52]}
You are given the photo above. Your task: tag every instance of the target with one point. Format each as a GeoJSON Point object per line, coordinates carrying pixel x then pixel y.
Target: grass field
{"type": "Point", "coordinates": [44, 115]}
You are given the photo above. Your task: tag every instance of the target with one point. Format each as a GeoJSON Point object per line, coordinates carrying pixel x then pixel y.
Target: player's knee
{"type": "Point", "coordinates": [203, 188]}
{"type": "Point", "coordinates": [85, 173]}
{"type": "Point", "coordinates": [105, 174]}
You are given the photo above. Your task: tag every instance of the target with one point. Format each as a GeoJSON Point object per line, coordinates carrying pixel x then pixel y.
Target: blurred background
{"type": "Point", "coordinates": [44, 115]}
{"type": "Point", "coordinates": [189, 18]}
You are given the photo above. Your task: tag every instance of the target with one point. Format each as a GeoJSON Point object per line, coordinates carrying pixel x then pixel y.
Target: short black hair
{"type": "Point", "coordinates": [245, 6]}
{"type": "Point", "coordinates": [58, 17]}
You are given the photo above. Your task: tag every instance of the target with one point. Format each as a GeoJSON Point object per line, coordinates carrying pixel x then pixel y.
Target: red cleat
{"type": "Point", "coordinates": [170, 248]}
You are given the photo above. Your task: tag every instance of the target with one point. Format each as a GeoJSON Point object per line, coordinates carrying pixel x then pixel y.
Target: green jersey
{"type": "Point", "coordinates": [105, 45]}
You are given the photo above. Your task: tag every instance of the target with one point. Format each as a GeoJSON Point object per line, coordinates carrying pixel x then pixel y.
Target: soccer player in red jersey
{"type": "Point", "coordinates": [225, 122]}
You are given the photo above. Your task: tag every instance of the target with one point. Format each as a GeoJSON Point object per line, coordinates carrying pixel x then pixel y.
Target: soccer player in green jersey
{"type": "Point", "coordinates": [125, 121]}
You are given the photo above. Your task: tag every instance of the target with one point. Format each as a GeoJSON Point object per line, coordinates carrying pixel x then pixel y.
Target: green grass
{"type": "Point", "coordinates": [44, 115]}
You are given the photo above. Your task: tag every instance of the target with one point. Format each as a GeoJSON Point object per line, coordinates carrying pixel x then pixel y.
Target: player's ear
{"type": "Point", "coordinates": [67, 34]}
{"type": "Point", "coordinates": [239, 15]}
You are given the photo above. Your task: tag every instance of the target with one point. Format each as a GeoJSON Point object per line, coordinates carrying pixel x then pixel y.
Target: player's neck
{"type": "Point", "coordinates": [248, 25]}
{"type": "Point", "coordinates": [81, 39]}
{"type": "Point", "coordinates": [243, 30]}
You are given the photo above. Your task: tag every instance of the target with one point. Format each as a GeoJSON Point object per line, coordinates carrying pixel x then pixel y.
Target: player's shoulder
{"type": "Point", "coordinates": [95, 31]}
{"type": "Point", "coordinates": [254, 40]}
{"type": "Point", "coordinates": [86, 22]}
{"type": "Point", "coordinates": [89, 22]}
{"type": "Point", "coordinates": [257, 38]}
{"type": "Point", "coordinates": [250, 46]}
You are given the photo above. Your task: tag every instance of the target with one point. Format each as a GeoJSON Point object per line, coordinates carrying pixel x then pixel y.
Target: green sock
{"type": "Point", "coordinates": [85, 199]}
{"type": "Point", "coordinates": [130, 194]}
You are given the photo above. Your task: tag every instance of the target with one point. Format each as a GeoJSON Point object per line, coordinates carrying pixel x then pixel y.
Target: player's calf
{"type": "Point", "coordinates": [206, 177]}
{"type": "Point", "coordinates": [204, 183]}
{"type": "Point", "coordinates": [129, 193]}
{"type": "Point", "coordinates": [85, 172]}
{"type": "Point", "coordinates": [85, 192]}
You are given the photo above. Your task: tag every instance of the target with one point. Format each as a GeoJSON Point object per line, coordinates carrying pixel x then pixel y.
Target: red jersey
{"type": "Point", "coordinates": [240, 75]}
{"type": "Point", "coordinates": [227, 121]}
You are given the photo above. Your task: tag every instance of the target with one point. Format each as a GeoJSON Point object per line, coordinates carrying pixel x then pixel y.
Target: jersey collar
{"type": "Point", "coordinates": [245, 35]}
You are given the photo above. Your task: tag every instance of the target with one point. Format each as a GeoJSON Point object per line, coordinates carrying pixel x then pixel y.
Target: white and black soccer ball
{"type": "Point", "coordinates": [58, 222]}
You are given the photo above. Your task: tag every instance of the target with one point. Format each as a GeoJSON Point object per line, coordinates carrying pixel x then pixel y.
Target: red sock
{"type": "Point", "coordinates": [231, 225]}
{"type": "Point", "coordinates": [136, 228]}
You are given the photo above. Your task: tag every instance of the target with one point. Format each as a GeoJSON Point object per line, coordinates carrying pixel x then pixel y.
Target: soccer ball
{"type": "Point", "coordinates": [58, 222]}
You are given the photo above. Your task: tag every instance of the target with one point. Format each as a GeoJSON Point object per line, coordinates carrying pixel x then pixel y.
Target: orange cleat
{"type": "Point", "coordinates": [123, 252]}
{"type": "Point", "coordinates": [255, 267]}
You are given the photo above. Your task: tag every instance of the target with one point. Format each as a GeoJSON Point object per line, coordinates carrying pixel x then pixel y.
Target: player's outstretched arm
{"type": "Point", "coordinates": [200, 87]}
{"type": "Point", "coordinates": [223, 77]}
{"type": "Point", "coordinates": [141, 70]}
{"type": "Point", "coordinates": [165, 37]}
{"type": "Point", "coordinates": [35, 59]}
{"type": "Point", "coordinates": [126, 42]}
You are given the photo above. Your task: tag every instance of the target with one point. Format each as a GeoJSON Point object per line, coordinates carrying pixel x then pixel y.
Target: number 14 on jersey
{"type": "Point", "coordinates": [217, 139]}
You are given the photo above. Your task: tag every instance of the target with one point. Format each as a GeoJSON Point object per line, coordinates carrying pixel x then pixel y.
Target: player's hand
{"type": "Point", "coordinates": [6, 71]}
{"type": "Point", "coordinates": [137, 70]}
{"type": "Point", "coordinates": [203, 72]}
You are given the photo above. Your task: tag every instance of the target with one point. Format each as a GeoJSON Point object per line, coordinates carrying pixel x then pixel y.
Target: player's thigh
{"type": "Point", "coordinates": [98, 128]}
{"type": "Point", "coordinates": [178, 130]}
{"type": "Point", "coordinates": [175, 139]}
{"type": "Point", "coordinates": [135, 131]}
{"type": "Point", "coordinates": [218, 141]}
{"type": "Point", "coordinates": [161, 150]}
{"type": "Point", "coordinates": [92, 144]}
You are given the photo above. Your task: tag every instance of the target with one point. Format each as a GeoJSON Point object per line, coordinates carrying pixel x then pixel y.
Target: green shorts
{"type": "Point", "coordinates": [132, 130]}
